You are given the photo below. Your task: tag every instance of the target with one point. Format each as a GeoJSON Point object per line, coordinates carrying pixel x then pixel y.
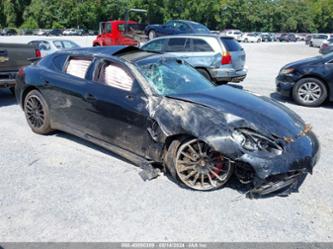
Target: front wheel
{"type": "Point", "coordinates": [196, 165]}
{"type": "Point", "coordinates": [310, 92]}
{"type": "Point", "coordinates": [37, 113]}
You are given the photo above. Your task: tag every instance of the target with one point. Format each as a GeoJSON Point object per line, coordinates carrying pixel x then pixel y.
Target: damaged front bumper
{"type": "Point", "coordinates": [283, 175]}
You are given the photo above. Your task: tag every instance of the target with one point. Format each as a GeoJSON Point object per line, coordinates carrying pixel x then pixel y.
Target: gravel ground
{"type": "Point", "coordinates": [60, 188]}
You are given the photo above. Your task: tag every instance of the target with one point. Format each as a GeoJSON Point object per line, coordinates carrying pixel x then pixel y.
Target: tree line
{"type": "Point", "coordinates": [246, 15]}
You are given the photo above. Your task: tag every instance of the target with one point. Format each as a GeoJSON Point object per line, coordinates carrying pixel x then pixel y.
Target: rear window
{"type": "Point", "coordinates": [201, 46]}
{"type": "Point", "coordinates": [78, 67]}
{"type": "Point", "coordinates": [231, 45]}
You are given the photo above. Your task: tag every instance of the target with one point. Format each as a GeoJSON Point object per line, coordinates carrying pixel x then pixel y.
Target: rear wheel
{"type": "Point", "coordinates": [37, 113]}
{"type": "Point", "coordinates": [310, 92]}
{"type": "Point", "coordinates": [194, 164]}
{"type": "Point", "coordinates": [151, 34]}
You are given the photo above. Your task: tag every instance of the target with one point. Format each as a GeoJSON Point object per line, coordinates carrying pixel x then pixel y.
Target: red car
{"type": "Point", "coordinates": [113, 33]}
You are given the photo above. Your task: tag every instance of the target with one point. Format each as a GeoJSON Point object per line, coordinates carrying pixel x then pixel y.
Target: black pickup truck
{"type": "Point", "coordinates": [12, 57]}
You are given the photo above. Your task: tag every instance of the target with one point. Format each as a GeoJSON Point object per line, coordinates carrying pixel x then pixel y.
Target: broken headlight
{"type": "Point", "coordinates": [253, 141]}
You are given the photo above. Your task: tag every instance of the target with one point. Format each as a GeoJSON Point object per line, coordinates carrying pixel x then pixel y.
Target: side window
{"type": "Point", "coordinates": [171, 24]}
{"type": "Point", "coordinates": [107, 28]}
{"type": "Point", "coordinates": [44, 45]}
{"type": "Point", "coordinates": [58, 44]}
{"type": "Point", "coordinates": [183, 27]}
{"type": "Point", "coordinates": [201, 46]}
{"type": "Point", "coordinates": [68, 44]}
{"type": "Point", "coordinates": [78, 67]}
{"type": "Point", "coordinates": [178, 45]}
{"type": "Point", "coordinates": [115, 76]}
{"type": "Point", "coordinates": [156, 46]}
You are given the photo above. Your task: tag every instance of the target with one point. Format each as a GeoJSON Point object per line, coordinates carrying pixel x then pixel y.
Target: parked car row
{"type": "Point", "coordinates": [47, 32]}
{"type": "Point", "coordinates": [256, 37]}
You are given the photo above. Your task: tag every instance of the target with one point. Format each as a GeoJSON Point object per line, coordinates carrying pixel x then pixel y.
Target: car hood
{"type": "Point", "coordinates": [307, 61]}
{"type": "Point", "coordinates": [262, 113]}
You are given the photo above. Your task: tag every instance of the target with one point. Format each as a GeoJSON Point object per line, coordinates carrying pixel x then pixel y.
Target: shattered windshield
{"type": "Point", "coordinates": [169, 77]}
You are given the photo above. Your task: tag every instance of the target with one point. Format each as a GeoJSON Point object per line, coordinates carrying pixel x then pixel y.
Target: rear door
{"type": "Point", "coordinates": [170, 28]}
{"type": "Point", "coordinates": [66, 91]}
{"type": "Point", "coordinates": [236, 51]}
{"type": "Point", "coordinates": [202, 53]}
{"type": "Point", "coordinates": [180, 47]}
{"type": "Point", "coordinates": [14, 56]}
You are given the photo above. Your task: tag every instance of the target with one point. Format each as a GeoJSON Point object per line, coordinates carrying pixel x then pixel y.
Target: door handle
{"type": "Point", "coordinates": [130, 97]}
{"type": "Point", "coordinates": [90, 98]}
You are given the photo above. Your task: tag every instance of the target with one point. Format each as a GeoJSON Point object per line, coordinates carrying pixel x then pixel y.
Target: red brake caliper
{"type": "Point", "coordinates": [218, 165]}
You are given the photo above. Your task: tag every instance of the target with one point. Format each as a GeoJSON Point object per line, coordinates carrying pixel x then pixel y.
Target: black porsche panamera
{"type": "Point", "coordinates": [150, 107]}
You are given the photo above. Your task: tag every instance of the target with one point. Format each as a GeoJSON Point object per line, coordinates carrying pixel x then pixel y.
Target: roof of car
{"type": "Point", "coordinates": [50, 39]}
{"type": "Point", "coordinates": [196, 35]}
{"type": "Point", "coordinates": [185, 21]}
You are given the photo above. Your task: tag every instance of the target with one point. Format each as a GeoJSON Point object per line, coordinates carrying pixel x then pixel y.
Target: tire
{"type": "Point", "coordinates": [204, 73]}
{"type": "Point", "coordinates": [201, 176]}
{"type": "Point", "coordinates": [309, 92]}
{"type": "Point", "coordinates": [37, 113]}
{"type": "Point", "coordinates": [151, 34]}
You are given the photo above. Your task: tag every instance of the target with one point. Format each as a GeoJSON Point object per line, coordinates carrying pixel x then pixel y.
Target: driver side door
{"type": "Point", "coordinates": [117, 107]}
